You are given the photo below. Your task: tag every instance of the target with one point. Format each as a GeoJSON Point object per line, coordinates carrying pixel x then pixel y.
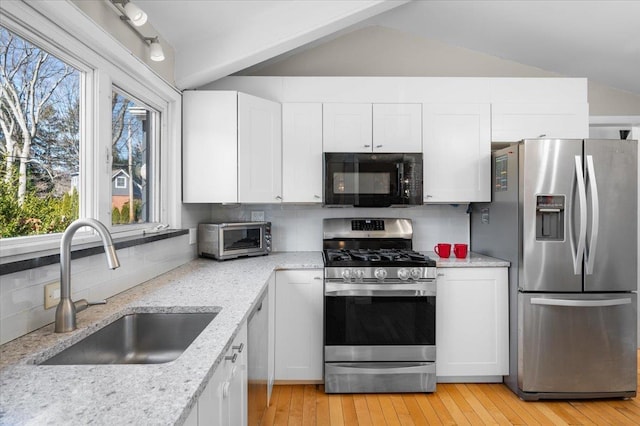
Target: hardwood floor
{"type": "Point", "coordinates": [451, 404]}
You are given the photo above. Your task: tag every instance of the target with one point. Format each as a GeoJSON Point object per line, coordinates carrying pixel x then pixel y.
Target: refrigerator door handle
{"type": "Point", "coordinates": [590, 253]}
{"type": "Point", "coordinates": [580, 303]}
{"type": "Point", "coordinates": [577, 252]}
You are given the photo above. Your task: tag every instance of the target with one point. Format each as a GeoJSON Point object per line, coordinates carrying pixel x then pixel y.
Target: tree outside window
{"type": "Point", "coordinates": [132, 132]}
{"type": "Point", "coordinates": [39, 139]}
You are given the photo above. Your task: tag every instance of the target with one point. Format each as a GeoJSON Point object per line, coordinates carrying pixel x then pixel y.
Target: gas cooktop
{"type": "Point", "coordinates": [375, 257]}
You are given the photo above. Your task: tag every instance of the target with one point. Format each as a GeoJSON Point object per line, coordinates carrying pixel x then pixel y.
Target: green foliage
{"type": "Point", "coordinates": [38, 215]}
{"type": "Point", "coordinates": [121, 217]}
{"type": "Point", "coordinates": [115, 216]}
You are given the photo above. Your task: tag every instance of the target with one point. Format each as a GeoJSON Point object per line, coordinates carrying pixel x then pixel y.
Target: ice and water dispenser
{"type": "Point", "coordinates": [550, 217]}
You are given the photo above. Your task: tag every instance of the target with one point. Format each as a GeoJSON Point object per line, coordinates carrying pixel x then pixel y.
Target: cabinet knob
{"type": "Point", "coordinates": [317, 278]}
{"type": "Point", "coordinates": [441, 275]}
{"type": "Point", "coordinates": [429, 196]}
{"type": "Point", "coordinates": [278, 197]}
{"type": "Point", "coordinates": [378, 146]}
{"type": "Point", "coordinates": [317, 197]}
{"type": "Point", "coordinates": [238, 348]}
{"type": "Point", "coordinates": [367, 146]}
{"type": "Point", "coordinates": [231, 358]}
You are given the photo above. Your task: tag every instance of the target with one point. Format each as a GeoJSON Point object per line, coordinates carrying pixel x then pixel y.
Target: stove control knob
{"type": "Point", "coordinates": [403, 274]}
{"type": "Point", "coordinates": [358, 274]}
{"type": "Point", "coordinates": [346, 275]}
{"type": "Point", "coordinates": [380, 274]}
{"type": "Point", "coordinates": [416, 273]}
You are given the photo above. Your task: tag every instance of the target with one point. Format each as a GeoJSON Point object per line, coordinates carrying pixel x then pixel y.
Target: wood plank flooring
{"type": "Point", "coordinates": [451, 404]}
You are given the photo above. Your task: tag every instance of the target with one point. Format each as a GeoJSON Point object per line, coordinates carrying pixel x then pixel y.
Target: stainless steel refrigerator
{"type": "Point", "coordinates": [564, 213]}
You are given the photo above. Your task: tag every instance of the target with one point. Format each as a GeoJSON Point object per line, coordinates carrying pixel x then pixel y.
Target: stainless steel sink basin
{"type": "Point", "coordinates": [144, 338]}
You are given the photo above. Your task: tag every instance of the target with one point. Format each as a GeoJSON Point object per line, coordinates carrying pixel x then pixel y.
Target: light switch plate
{"type": "Point", "coordinates": [51, 294]}
{"type": "Point", "coordinates": [193, 235]}
{"type": "Point", "coordinates": [257, 216]}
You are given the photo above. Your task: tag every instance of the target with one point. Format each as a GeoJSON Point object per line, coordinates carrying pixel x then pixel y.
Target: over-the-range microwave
{"type": "Point", "coordinates": [372, 179]}
{"type": "Point", "coordinates": [234, 239]}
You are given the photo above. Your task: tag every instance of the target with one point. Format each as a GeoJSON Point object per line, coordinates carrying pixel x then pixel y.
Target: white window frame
{"type": "Point", "coordinates": [105, 64]}
{"type": "Point", "coordinates": [123, 185]}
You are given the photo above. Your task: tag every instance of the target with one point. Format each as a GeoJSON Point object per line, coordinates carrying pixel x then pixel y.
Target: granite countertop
{"type": "Point", "coordinates": [159, 394]}
{"type": "Point", "coordinates": [473, 260]}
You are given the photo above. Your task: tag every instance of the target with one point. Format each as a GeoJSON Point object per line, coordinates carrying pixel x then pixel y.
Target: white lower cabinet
{"type": "Point", "coordinates": [224, 400]}
{"type": "Point", "coordinates": [472, 324]}
{"type": "Point", "coordinates": [298, 324]}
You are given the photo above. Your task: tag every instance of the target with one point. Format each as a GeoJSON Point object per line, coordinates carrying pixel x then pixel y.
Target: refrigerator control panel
{"type": "Point", "coordinates": [550, 217]}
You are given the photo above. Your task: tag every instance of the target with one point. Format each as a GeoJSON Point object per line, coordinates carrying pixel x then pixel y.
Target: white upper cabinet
{"type": "Point", "coordinates": [302, 152]}
{"type": "Point", "coordinates": [347, 127]}
{"type": "Point", "coordinates": [259, 150]}
{"type": "Point", "coordinates": [372, 127]}
{"type": "Point", "coordinates": [232, 145]}
{"type": "Point", "coordinates": [210, 147]}
{"type": "Point", "coordinates": [397, 128]}
{"type": "Point", "coordinates": [457, 153]}
{"type": "Point", "coordinates": [511, 122]}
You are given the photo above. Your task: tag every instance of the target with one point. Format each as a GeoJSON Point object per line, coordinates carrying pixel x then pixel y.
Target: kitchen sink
{"type": "Point", "coordinates": [142, 338]}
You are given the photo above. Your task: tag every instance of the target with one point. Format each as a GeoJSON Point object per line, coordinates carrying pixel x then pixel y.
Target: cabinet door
{"type": "Point", "coordinates": [259, 150]}
{"type": "Point", "coordinates": [236, 400]}
{"type": "Point", "coordinates": [346, 127]}
{"type": "Point", "coordinates": [397, 127]}
{"type": "Point", "coordinates": [271, 342]}
{"type": "Point", "coordinates": [209, 147]}
{"type": "Point", "coordinates": [472, 323]}
{"type": "Point", "coordinates": [299, 347]}
{"type": "Point", "coordinates": [457, 153]}
{"type": "Point", "coordinates": [302, 152]}
{"type": "Point", "coordinates": [210, 404]}
{"type": "Point", "coordinates": [514, 122]}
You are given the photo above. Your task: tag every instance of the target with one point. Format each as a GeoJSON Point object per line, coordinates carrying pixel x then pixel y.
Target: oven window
{"type": "Point", "coordinates": [240, 239]}
{"type": "Point", "coordinates": [361, 183]}
{"type": "Point", "coordinates": [363, 320]}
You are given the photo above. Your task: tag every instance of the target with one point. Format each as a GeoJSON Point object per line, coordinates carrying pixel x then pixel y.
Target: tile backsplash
{"type": "Point", "coordinates": [299, 227]}
{"type": "Point", "coordinates": [22, 293]}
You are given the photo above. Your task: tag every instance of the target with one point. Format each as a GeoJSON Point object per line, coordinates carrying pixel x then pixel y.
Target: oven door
{"type": "Point", "coordinates": [380, 322]}
{"type": "Point", "coordinates": [238, 240]}
{"type": "Point", "coordinates": [372, 180]}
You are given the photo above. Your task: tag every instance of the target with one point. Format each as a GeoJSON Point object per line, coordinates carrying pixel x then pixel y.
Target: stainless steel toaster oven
{"type": "Point", "coordinates": [234, 239]}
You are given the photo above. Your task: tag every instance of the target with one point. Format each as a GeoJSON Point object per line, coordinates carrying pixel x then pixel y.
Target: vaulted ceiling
{"type": "Point", "coordinates": [599, 40]}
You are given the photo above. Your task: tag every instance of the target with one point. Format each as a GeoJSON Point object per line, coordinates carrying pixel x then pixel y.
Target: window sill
{"type": "Point", "coordinates": [11, 264]}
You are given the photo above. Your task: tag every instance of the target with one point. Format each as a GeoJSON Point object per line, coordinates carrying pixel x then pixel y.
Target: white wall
{"type": "Point", "coordinates": [22, 293]}
{"type": "Point", "coordinates": [380, 51]}
{"type": "Point", "coordinates": [299, 227]}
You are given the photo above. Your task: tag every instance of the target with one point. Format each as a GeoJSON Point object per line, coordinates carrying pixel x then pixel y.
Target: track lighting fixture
{"type": "Point", "coordinates": [132, 13]}
{"type": "Point", "coordinates": [135, 14]}
{"type": "Point", "coordinates": [136, 17]}
{"type": "Point", "coordinates": [156, 53]}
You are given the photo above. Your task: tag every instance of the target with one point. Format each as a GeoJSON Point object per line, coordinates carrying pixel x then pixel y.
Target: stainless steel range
{"type": "Point", "coordinates": [380, 308]}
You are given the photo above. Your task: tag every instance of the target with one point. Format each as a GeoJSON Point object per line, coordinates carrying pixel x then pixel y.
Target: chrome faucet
{"type": "Point", "coordinates": [67, 309]}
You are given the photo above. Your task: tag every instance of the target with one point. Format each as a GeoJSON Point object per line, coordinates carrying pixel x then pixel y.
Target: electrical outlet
{"type": "Point", "coordinates": [51, 294]}
{"type": "Point", "coordinates": [257, 216]}
{"type": "Point", "coordinates": [193, 235]}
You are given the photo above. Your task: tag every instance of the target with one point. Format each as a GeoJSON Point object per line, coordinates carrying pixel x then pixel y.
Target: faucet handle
{"type": "Point", "coordinates": [83, 304]}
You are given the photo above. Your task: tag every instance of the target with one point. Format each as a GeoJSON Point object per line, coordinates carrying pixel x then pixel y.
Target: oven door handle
{"type": "Point", "coordinates": [341, 289]}
{"type": "Point", "coordinates": [377, 293]}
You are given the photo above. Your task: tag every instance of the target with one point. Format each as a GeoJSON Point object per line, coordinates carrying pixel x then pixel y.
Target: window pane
{"type": "Point", "coordinates": [132, 133]}
{"type": "Point", "coordinates": [39, 139]}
